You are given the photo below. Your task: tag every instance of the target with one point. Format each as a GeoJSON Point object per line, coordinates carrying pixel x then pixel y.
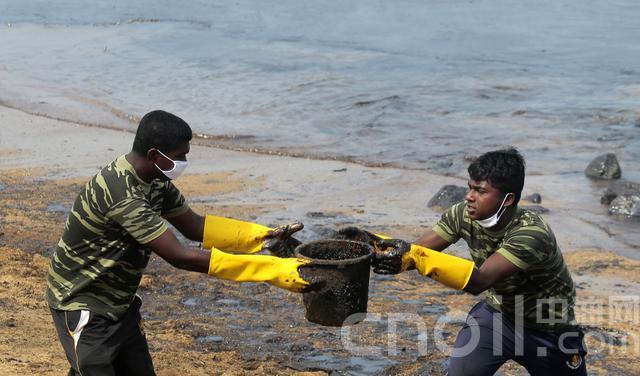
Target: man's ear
{"type": "Point", "coordinates": [511, 198]}
{"type": "Point", "coordinates": [152, 154]}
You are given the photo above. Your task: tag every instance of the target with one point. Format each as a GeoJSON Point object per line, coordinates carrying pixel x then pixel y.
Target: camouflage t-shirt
{"type": "Point", "coordinates": [99, 260]}
{"type": "Point", "coordinates": [542, 292]}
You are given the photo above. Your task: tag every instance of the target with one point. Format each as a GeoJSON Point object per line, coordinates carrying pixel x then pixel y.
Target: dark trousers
{"type": "Point", "coordinates": [498, 340]}
{"type": "Point", "coordinates": [96, 345]}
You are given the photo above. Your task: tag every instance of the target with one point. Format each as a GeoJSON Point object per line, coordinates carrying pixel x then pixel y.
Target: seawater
{"type": "Point", "coordinates": [415, 84]}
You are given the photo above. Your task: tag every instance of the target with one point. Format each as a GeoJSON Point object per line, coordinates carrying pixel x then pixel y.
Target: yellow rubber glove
{"type": "Point", "coordinates": [280, 272]}
{"type": "Point", "coordinates": [232, 235]}
{"type": "Point", "coordinates": [394, 256]}
{"type": "Point", "coordinates": [449, 270]}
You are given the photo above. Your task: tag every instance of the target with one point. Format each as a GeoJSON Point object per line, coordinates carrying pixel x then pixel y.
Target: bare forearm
{"type": "Point", "coordinates": [170, 249]}
{"type": "Point", "coordinates": [190, 224]}
{"type": "Point", "coordinates": [196, 228]}
{"type": "Point", "coordinates": [192, 260]}
{"type": "Point", "coordinates": [495, 269]}
{"type": "Point", "coordinates": [478, 283]}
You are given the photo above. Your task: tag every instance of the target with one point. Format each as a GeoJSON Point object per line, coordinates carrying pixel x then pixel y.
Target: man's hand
{"type": "Point", "coordinates": [388, 254]}
{"type": "Point", "coordinates": [279, 241]}
{"type": "Point", "coordinates": [388, 258]}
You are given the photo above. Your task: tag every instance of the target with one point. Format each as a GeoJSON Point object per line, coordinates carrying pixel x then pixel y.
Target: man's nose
{"type": "Point", "coordinates": [469, 196]}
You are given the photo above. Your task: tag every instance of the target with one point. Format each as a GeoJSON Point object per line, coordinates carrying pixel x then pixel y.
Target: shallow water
{"type": "Point", "coordinates": [419, 85]}
{"type": "Point", "coordinates": [415, 84]}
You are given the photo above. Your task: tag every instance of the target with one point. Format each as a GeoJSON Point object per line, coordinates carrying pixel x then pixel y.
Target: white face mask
{"type": "Point", "coordinates": [493, 220]}
{"type": "Point", "coordinates": [177, 170]}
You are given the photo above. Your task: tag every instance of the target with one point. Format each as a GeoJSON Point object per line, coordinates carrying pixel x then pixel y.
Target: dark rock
{"type": "Point", "coordinates": [534, 197]}
{"type": "Point", "coordinates": [604, 167]}
{"type": "Point", "coordinates": [617, 188]}
{"type": "Point", "coordinates": [608, 196]}
{"type": "Point", "coordinates": [536, 209]}
{"type": "Point", "coordinates": [447, 196]}
{"type": "Point", "coordinates": [638, 122]}
{"type": "Point", "coordinates": [626, 207]}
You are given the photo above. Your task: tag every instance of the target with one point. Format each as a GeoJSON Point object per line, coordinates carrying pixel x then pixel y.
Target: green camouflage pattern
{"type": "Point", "coordinates": [98, 262]}
{"type": "Point", "coordinates": [542, 293]}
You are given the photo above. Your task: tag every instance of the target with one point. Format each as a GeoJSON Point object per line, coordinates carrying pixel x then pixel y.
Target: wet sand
{"type": "Point", "coordinates": [198, 325]}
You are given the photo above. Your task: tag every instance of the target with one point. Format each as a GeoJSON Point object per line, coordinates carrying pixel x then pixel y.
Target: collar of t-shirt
{"type": "Point", "coordinates": [124, 164]}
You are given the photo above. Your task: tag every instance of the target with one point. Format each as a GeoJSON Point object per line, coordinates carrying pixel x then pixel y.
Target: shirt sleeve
{"type": "Point", "coordinates": [137, 217]}
{"type": "Point", "coordinates": [173, 202]}
{"type": "Point", "coordinates": [526, 247]}
{"type": "Point", "coordinates": [450, 223]}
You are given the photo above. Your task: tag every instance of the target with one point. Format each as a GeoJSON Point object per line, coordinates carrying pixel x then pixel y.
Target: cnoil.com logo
{"type": "Point", "coordinates": [608, 325]}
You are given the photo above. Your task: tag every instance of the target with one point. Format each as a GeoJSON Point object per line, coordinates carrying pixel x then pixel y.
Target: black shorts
{"type": "Point", "coordinates": [96, 345]}
{"type": "Point", "coordinates": [488, 340]}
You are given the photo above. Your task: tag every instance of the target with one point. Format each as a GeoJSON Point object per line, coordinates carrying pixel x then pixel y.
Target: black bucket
{"type": "Point", "coordinates": [344, 265]}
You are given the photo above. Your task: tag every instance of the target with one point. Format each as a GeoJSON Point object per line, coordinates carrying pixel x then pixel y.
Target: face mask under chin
{"type": "Point", "coordinates": [493, 220]}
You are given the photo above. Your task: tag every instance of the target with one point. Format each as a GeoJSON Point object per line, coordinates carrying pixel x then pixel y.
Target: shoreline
{"type": "Point", "coordinates": [577, 217]}
{"type": "Point", "coordinates": [44, 162]}
{"type": "Point", "coordinates": [206, 140]}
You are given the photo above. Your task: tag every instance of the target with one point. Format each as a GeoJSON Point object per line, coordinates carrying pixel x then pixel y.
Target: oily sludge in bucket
{"type": "Point", "coordinates": [344, 266]}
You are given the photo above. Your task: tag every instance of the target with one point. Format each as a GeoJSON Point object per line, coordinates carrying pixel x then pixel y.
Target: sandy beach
{"type": "Point", "coordinates": [197, 325]}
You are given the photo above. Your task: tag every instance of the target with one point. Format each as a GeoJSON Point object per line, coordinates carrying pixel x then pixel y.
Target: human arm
{"type": "Point", "coordinates": [449, 270]}
{"type": "Point", "coordinates": [393, 256]}
{"type": "Point", "coordinates": [280, 272]}
{"type": "Point", "coordinates": [231, 235]}
{"type": "Point", "coordinates": [227, 234]}
{"type": "Point", "coordinates": [425, 254]}
{"type": "Point", "coordinates": [135, 215]}
{"type": "Point", "coordinates": [190, 224]}
{"type": "Point", "coordinates": [524, 247]}
{"type": "Point", "coordinates": [495, 269]}
{"type": "Point", "coordinates": [172, 251]}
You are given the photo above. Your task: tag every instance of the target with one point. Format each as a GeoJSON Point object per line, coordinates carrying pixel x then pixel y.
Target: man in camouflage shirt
{"type": "Point", "coordinates": [117, 220]}
{"type": "Point", "coordinates": [528, 311]}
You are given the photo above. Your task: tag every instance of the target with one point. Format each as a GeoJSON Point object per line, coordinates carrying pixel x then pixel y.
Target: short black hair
{"type": "Point", "coordinates": [160, 130]}
{"type": "Point", "coordinates": [503, 169]}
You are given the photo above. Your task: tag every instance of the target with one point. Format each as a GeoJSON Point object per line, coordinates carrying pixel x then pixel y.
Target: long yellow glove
{"type": "Point", "coordinates": [449, 270]}
{"type": "Point", "coordinates": [280, 272]}
{"type": "Point", "coordinates": [231, 235]}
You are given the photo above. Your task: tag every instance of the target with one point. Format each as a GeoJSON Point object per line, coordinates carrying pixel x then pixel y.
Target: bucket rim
{"type": "Point", "coordinates": [350, 261]}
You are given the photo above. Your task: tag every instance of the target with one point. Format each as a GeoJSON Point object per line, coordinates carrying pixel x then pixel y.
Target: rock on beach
{"type": "Point", "coordinates": [604, 167]}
